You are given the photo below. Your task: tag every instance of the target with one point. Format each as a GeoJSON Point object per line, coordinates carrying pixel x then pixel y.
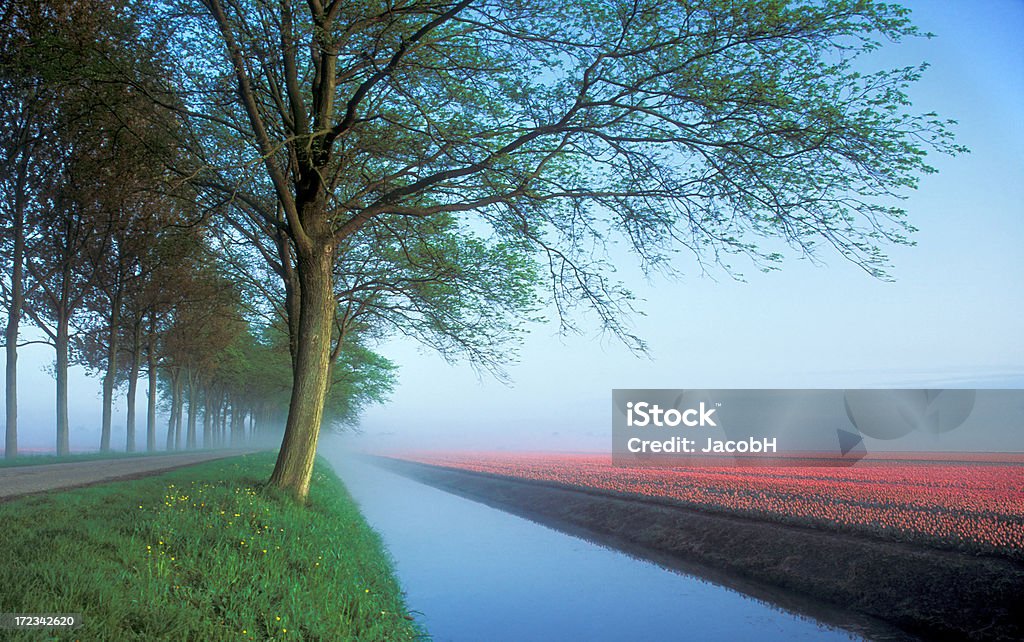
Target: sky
{"type": "Point", "coordinates": [952, 317]}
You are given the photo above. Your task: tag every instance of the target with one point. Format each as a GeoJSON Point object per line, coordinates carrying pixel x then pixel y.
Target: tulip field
{"type": "Point", "coordinates": [971, 504]}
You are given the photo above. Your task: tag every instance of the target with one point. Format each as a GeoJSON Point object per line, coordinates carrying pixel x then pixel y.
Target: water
{"type": "Point", "coordinates": [473, 573]}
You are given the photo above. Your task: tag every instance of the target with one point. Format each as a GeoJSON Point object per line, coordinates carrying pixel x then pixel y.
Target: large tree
{"type": "Point", "coordinates": [700, 124]}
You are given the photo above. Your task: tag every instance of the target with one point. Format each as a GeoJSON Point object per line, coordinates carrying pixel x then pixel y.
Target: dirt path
{"type": "Point", "coordinates": [25, 480]}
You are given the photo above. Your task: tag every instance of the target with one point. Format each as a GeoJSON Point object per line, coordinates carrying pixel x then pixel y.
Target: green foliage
{"type": "Point", "coordinates": [257, 370]}
{"type": "Point", "coordinates": [360, 377]}
{"type": "Point", "coordinates": [202, 553]}
{"type": "Point", "coordinates": [703, 126]}
{"type": "Point", "coordinates": [437, 281]}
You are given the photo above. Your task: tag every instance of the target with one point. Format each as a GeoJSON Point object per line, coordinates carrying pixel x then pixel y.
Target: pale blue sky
{"type": "Point", "coordinates": [953, 316]}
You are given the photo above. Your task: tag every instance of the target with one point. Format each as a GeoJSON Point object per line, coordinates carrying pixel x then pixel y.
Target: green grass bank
{"type": "Point", "coordinates": [200, 553]}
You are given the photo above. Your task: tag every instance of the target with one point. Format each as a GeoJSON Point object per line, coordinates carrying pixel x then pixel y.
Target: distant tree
{"type": "Point", "coordinates": [60, 281]}
{"type": "Point", "coordinates": [193, 345]}
{"type": "Point", "coordinates": [70, 124]}
{"type": "Point", "coordinates": [255, 374]}
{"type": "Point", "coordinates": [261, 380]}
{"type": "Point", "coordinates": [24, 107]}
{"type": "Point", "coordinates": [163, 283]}
{"type": "Point", "coordinates": [258, 371]}
{"type": "Point", "coordinates": [167, 269]}
{"type": "Point", "coordinates": [73, 223]}
{"type": "Point", "coordinates": [699, 124]}
{"type": "Point", "coordinates": [363, 378]}
{"type": "Point", "coordinates": [143, 274]}
{"type": "Point", "coordinates": [33, 82]}
{"type": "Point", "coordinates": [135, 214]}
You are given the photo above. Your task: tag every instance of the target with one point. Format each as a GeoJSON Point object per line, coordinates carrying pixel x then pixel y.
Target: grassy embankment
{"type": "Point", "coordinates": [201, 553]}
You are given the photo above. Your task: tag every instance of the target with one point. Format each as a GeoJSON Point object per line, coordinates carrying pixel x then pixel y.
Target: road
{"type": "Point", "coordinates": [25, 480]}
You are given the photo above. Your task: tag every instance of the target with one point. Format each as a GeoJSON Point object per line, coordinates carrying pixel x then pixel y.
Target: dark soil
{"type": "Point", "coordinates": [880, 589]}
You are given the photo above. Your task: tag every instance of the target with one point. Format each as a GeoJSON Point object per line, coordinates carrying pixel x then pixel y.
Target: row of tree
{"type": "Point", "coordinates": [113, 260]}
{"type": "Point", "coordinates": [435, 168]}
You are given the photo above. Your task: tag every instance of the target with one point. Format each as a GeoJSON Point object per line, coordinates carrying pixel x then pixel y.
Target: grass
{"type": "Point", "coordinates": [201, 553]}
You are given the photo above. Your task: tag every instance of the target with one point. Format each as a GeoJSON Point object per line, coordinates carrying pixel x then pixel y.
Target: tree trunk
{"type": "Point", "coordinates": [214, 425]}
{"type": "Point", "coordinates": [175, 400]}
{"type": "Point", "coordinates": [317, 304]}
{"type": "Point", "coordinates": [61, 345]}
{"type": "Point", "coordinates": [222, 413]}
{"type": "Point", "coordinates": [237, 422]}
{"type": "Point", "coordinates": [291, 292]}
{"type": "Point", "coordinates": [208, 417]}
{"type": "Point", "coordinates": [225, 408]}
{"type": "Point", "coordinates": [17, 300]}
{"type": "Point", "coordinates": [178, 422]}
{"type": "Point", "coordinates": [170, 421]}
{"type": "Point", "coordinates": [133, 384]}
{"type": "Point", "coordinates": [193, 408]}
{"type": "Point", "coordinates": [218, 424]}
{"type": "Point", "coordinates": [151, 402]}
{"type": "Point", "coordinates": [108, 379]}
{"type": "Point", "coordinates": [11, 384]}
{"type": "Point", "coordinates": [13, 322]}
